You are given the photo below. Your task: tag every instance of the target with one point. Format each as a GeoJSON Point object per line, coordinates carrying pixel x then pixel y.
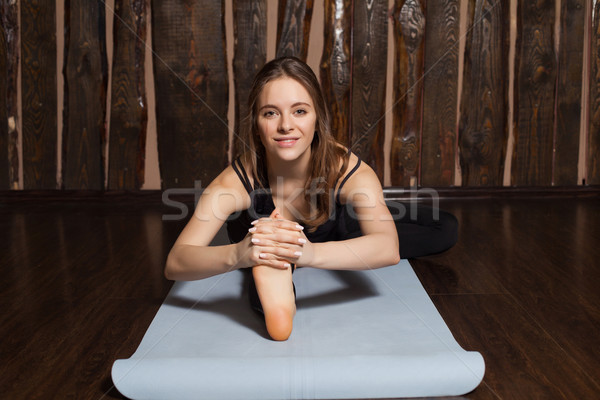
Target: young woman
{"type": "Point", "coordinates": [295, 198]}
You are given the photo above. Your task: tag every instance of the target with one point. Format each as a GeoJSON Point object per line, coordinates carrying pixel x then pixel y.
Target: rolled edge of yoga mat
{"type": "Point", "coordinates": [443, 374]}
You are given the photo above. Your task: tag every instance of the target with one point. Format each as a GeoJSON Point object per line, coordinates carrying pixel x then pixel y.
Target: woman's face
{"type": "Point", "coordinates": [286, 119]}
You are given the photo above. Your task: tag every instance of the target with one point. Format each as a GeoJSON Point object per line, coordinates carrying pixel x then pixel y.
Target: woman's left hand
{"type": "Point", "coordinates": [278, 236]}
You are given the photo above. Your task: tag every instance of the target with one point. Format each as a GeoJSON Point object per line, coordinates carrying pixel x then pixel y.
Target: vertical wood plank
{"type": "Point", "coordinates": [593, 156]}
{"type": "Point", "coordinates": [483, 131]}
{"type": "Point", "coordinates": [535, 81]}
{"type": "Point", "coordinates": [9, 62]}
{"type": "Point", "coordinates": [336, 63]}
{"type": "Point", "coordinates": [84, 133]}
{"type": "Point", "coordinates": [4, 60]}
{"type": "Point", "coordinates": [369, 81]}
{"type": "Point", "coordinates": [190, 72]}
{"type": "Point", "coordinates": [568, 108]}
{"type": "Point", "coordinates": [293, 28]}
{"type": "Point", "coordinates": [409, 35]}
{"type": "Point", "coordinates": [129, 113]}
{"type": "Point", "coordinates": [38, 87]}
{"type": "Point", "coordinates": [4, 160]}
{"type": "Point", "coordinates": [250, 54]}
{"type": "Point", "coordinates": [438, 143]}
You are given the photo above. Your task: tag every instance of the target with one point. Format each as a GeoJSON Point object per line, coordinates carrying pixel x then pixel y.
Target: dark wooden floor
{"type": "Point", "coordinates": [82, 279]}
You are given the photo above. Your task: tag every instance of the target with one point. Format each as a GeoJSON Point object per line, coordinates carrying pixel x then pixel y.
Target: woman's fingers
{"type": "Point", "coordinates": [277, 232]}
{"type": "Point", "coordinates": [290, 254]}
{"type": "Point", "coordinates": [277, 239]}
{"type": "Point", "coordinates": [268, 257]}
{"type": "Point", "coordinates": [276, 242]}
{"type": "Point", "coordinates": [274, 223]}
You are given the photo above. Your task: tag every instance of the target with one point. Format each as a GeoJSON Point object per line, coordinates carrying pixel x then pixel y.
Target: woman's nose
{"type": "Point", "coordinates": [285, 125]}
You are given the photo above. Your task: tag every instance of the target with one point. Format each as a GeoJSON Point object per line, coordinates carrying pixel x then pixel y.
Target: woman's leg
{"type": "Point", "coordinates": [275, 291]}
{"type": "Point", "coordinates": [423, 230]}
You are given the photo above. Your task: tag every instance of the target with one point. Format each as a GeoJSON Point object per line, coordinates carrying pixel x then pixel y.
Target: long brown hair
{"type": "Point", "coordinates": [326, 153]}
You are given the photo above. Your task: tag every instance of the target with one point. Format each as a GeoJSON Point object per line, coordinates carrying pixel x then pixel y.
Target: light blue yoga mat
{"type": "Point", "coordinates": [357, 334]}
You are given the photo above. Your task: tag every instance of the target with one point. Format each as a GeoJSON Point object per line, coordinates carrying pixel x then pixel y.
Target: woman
{"type": "Point", "coordinates": [295, 197]}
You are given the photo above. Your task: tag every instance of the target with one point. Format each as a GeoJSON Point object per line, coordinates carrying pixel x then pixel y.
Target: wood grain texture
{"type": "Point", "coordinates": [409, 37]}
{"type": "Point", "coordinates": [9, 63]}
{"type": "Point", "coordinates": [129, 110]}
{"type": "Point", "coordinates": [550, 309]}
{"type": "Point", "coordinates": [293, 28]}
{"type": "Point", "coordinates": [535, 81]}
{"type": "Point", "coordinates": [335, 68]}
{"type": "Point", "coordinates": [4, 160]}
{"type": "Point", "coordinates": [84, 278]}
{"type": "Point", "coordinates": [369, 82]}
{"type": "Point", "coordinates": [84, 132]}
{"type": "Point", "coordinates": [483, 133]}
{"type": "Point", "coordinates": [250, 54]}
{"type": "Point", "coordinates": [568, 96]}
{"type": "Point", "coordinates": [593, 154]}
{"type": "Point", "coordinates": [68, 314]}
{"type": "Point", "coordinates": [191, 90]}
{"type": "Point", "coordinates": [38, 87]}
{"type": "Point", "coordinates": [438, 145]}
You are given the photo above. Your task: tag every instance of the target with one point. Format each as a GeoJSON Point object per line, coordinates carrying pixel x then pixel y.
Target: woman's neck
{"type": "Point", "coordinates": [295, 170]}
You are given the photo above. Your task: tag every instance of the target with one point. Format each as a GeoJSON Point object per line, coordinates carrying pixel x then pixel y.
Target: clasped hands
{"type": "Point", "coordinates": [276, 242]}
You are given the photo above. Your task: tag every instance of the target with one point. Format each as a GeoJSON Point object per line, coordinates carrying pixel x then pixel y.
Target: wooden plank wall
{"type": "Point", "coordinates": [568, 98]}
{"type": "Point", "coordinates": [593, 153]}
{"type": "Point", "coordinates": [535, 87]}
{"type": "Point", "coordinates": [438, 146]}
{"type": "Point", "coordinates": [9, 61]}
{"type": "Point", "coordinates": [451, 109]}
{"type": "Point", "coordinates": [483, 124]}
{"type": "Point", "coordinates": [250, 54]}
{"type": "Point", "coordinates": [369, 51]}
{"type": "Point", "coordinates": [86, 78]}
{"type": "Point", "coordinates": [129, 110]}
{"type": "Point", "coordinates": [335, 68]}
{"type": "Point", "coordinates": [192, 91]}
{"type": "Point", "coordinates": [409, 39]}
{"type": "Point", "coordinates": [38, 92]}
{"type": "Point", "coordinates": [4, 161]}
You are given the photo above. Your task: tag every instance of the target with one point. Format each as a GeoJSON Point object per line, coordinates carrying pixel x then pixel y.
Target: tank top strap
{"type": "Point", "coordinates": [348, 175]}
{"type": "Point", "coordinates": [241, 173]}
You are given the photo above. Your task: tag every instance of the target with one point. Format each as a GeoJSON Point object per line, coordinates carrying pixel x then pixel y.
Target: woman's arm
{"type": "Point", "coordinates": [192, 257]}
{"type": "Point", "coordinates": [377, 247]}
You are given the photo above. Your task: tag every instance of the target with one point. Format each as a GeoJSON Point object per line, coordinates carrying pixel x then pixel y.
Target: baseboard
{"type": "Point", "coordinates": [395, 193]}
{"type": "Point", "coordinates": [390, 193]}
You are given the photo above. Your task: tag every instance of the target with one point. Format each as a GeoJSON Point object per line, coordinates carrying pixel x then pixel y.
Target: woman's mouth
{"type": "Point", "coordinates": [286, 142]}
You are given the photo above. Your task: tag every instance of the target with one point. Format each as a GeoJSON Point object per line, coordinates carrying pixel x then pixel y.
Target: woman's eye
{"type": "Point", "coordinates": [300, 111]}
{"type": "Point", "coordinates": [269, 113]}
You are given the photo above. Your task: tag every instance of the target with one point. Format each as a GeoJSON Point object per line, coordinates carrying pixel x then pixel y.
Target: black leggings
{"type": "Point", "coordinates": [423, 230]}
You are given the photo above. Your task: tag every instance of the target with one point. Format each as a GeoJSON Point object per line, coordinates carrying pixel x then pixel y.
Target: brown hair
{"type": "Point", "coordinates": [326, 153]}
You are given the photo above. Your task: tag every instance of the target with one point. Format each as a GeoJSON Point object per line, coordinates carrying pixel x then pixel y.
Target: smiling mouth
{"type": "Point", "coordinates": [286, 140]}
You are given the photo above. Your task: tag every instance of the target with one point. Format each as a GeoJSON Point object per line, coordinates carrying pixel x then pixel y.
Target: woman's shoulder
{"type": "Point", "coordinates": [229, 182]}
{"type": "Point", "coordinates": [355, 166]}
{"type": "Point", "coordinates": [358, 175]}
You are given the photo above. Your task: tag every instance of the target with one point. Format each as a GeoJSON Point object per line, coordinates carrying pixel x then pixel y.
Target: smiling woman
{"type": "Point", "coordinates": [296, 198]}
{"type": "Point", "coordinates": [286, 120]}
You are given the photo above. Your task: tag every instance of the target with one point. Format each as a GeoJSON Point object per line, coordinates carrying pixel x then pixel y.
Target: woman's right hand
{"type": "Point", "coordinates": [273, 242]}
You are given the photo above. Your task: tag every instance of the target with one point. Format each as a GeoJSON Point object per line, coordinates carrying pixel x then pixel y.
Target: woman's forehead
{"type": "Point", "coordinates": [284, 91]}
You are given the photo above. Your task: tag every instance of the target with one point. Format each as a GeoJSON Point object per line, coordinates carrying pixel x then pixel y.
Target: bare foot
{"type": "Point", "coordinates": [276, 293]}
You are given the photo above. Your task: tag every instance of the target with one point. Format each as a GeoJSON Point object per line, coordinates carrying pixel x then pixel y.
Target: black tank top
{"type": "Point", "coordinates": [339, 226]}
